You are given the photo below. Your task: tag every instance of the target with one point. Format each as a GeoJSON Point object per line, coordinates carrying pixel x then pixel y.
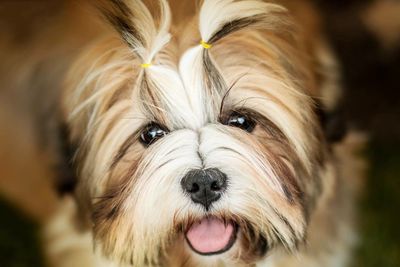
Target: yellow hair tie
{"type": "Point", "coordinates": [145, 65]}
{"type": "Point", "coordinates": [205, 45]}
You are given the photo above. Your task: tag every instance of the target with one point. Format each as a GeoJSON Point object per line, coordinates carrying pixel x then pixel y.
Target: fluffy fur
{"type": "Point", "coordinates": [286, 191]}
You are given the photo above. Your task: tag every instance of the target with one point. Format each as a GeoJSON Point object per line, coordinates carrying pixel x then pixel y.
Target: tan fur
{"type": "Point", "coordinates": [105, 107]}
{"type": "Point", "coordinates": [103, 96]}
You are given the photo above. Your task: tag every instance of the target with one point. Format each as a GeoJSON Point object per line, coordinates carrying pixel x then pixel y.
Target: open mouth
{"type": "Point", "coordinates": [211, 236]}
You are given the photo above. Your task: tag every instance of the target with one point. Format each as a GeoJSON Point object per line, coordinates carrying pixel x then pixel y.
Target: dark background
{"type": "Point", "coordinates": [371, 71]}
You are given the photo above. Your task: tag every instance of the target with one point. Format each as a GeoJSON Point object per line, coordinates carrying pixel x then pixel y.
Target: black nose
{"type": "Point", "coordinates": [204, 186]}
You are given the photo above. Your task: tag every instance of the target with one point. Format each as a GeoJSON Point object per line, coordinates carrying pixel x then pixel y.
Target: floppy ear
{"type": "Point", "coordinates": [333, 122]}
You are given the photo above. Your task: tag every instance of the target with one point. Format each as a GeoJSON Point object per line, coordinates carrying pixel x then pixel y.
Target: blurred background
{"type": "Point", "coordinates": [365, 35]}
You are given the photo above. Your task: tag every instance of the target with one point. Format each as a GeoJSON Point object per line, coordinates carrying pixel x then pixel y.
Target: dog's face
{"type": "Point", "coordinates": [214, 149]}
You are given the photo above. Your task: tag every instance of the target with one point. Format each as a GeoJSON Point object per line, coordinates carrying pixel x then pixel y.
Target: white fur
{"type": "Point", "coordinates": [197, 139]}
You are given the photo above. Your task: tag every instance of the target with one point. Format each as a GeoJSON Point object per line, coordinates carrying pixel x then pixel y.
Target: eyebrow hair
{"type": "Point", "coordinates": [215, 80]}
{"type": "Point", "coordinates": [235, 25]}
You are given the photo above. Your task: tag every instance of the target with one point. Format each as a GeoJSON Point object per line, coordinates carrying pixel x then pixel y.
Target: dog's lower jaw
{"type": "Point", "coordinates": [330, 240]}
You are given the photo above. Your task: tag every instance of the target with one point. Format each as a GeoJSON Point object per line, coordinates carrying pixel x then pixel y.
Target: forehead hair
{"type": "Point", "coordinates": [193, 89]}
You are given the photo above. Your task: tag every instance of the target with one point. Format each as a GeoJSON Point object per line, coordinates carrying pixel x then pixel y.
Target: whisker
{"type": "Point", "coordinates": [228, 91]}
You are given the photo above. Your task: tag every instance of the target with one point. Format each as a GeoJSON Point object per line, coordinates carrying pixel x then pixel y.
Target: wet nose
{"type": "Point", "coordinates": [204, 186]}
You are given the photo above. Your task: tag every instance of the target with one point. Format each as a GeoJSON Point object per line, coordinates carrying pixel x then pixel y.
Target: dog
{"type": "Point", "coordinates": [206, 134]}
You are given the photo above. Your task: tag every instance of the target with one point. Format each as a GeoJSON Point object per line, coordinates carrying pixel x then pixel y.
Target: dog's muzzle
{"type": "Point", "coordinates": [209, 235]}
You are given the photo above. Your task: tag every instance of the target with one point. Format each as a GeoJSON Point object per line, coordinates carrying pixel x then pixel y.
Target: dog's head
{"type": "Point", "coordinates": [200, 142]}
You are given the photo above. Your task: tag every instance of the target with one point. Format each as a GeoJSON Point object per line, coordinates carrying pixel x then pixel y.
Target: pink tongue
{"type": "Point", "coordinates": [209, 235]}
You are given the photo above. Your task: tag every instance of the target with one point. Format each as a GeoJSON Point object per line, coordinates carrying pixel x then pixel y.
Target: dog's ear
{"type": "Point", "coordinates": [332, 121]}
{"type": "Point", "coordinates": [65, 172]}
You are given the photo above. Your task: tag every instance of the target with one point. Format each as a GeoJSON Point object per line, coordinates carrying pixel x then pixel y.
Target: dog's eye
{"type": "Point", "coordinates": [152, 132]}
{"type": "Point", "coordinates": [241, 121]}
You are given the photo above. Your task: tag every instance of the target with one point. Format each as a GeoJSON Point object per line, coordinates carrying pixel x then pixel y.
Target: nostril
{"type": "Point", "coordinates": [215, 186]}
{"type": "Point", "coordinates": [194, 189]}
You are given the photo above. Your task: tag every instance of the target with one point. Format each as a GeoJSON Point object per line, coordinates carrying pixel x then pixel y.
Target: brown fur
{"type": "Point", "coordinates": [322, 204]}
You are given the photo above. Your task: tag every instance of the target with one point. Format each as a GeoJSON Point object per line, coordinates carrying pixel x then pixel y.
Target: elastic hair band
{"type": "Point", "coordinates": [145, 65]}
{"type": "Point", "coordinates": [205, 45]}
